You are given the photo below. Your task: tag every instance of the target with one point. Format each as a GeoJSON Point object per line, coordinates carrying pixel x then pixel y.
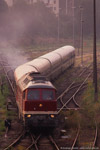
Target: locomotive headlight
{"type": "Point", "coordinates": [28, 116]}
{"type": "Point", "coordinates": [52, 116]}
{"type": "Point", "coordinates": [40, 105]}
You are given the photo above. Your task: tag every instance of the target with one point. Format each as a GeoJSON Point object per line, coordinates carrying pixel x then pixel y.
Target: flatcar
{"type": "Point", "coordinates": [36, 95]}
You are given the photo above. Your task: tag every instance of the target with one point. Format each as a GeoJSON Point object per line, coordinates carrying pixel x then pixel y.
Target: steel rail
{"type": "Point", "coordinates": [6, 74]}
{"type": "Point", "coordinates": [75, 140]}
{"type": "Point", "coordinates": [61, 100]}
{"type": "Point", "coordinates": [15, 141]}
{"type": "Point", "coordinates": [95, 137]}
{"type": "Point", "coordinates": [10, 81]}
{"type": "Point", "coordinates": [54, 143]}
{"type": "Point", "coordinates": [73, 82]}
{"type": "Point", "coordinates": [73, 96]}
{"type": "Point", "coordinates": [70, 87]}
{"type": "Point", "coordinates": [34, 142]}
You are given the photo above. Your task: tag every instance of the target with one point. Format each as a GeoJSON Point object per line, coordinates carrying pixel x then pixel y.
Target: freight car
{"type": "Point", "coordinates": [36, 96]}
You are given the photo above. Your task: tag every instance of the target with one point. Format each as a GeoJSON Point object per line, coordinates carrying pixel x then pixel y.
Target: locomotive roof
{"type": "Point", "coordinates": [40, 84]}
{"type": "Point", "coordinates": [37, 81]}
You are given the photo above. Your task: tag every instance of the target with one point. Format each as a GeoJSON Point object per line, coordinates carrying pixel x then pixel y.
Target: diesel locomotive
{"type": "Point", "coordinates": [35, 94]}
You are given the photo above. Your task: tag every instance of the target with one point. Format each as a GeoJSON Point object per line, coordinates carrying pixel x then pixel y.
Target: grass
{"type": "Point", "coordinates": [91, 107]}
{"type": "Point", "coordinates": [47, 44]}
{"type": "Point", "coordinates": [73, 119]}
{"type": "Point", "coordinates": [88, 115]}
{"type": "Point", "coordinates": [61, 78]}
{"type": "Point", "coordinates": [3, 112]}
{"type": "Point", "coordinates": [43, 47]}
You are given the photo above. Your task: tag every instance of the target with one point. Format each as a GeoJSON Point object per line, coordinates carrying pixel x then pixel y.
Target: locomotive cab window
{"type": "Point", "coordinates": [40, 94]}
{"type": "Point", "coordinates": [33, 94]}
{"type": "Point", "coordinates": [47, 95]}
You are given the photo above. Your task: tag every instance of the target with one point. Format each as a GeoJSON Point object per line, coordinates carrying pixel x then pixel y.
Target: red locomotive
{"type": "Point", "coordinates": [36, 96]}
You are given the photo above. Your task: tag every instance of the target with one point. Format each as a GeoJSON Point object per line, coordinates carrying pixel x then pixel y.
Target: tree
{"type": "Point", "coordinates": [35, 19]}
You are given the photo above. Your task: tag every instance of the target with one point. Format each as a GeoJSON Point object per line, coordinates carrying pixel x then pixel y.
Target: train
{"type": "Point", "coordinates": [35, 94]}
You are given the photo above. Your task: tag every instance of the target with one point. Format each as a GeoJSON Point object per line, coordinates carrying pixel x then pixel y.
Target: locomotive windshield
{"type": "Point", "coordinates": [33, 95]}
{"type": "Point", "coordinates": [47, 95]}
{"type": "Point", "coordinates": [40, 94]}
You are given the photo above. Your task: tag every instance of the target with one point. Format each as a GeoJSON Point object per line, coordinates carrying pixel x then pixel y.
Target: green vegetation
{"type": "Point", "coordinates": [91, 108]}
{"type": "Point", "coordinates": [88, 115]}
{"type": "Point", "coordinates": [61, 78]}
{"type": "Point", "coordinates": [72, 120]}
{"type": "Point", "coordinates": [3, 111]}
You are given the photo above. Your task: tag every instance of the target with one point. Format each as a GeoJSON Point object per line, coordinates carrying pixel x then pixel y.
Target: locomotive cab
{"type": "Point", "coordinates": [38, 105]}
{"type": "Point", "coordinates": [42, 98]}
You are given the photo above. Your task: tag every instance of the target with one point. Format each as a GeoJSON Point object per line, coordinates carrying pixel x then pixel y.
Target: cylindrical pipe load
{"type": "Point", "coordinates": [50, 64]}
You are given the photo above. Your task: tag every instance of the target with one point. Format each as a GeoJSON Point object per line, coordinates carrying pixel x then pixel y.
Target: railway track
{"type": "Point", "coordinates": [28, 142]}
{"type": "Point", "coordinates": [93, 143]}
{"type": "Point", "coordinates": [32, 139]}
{"type": "Point", "coordinates": [72, 91]}
{"type": "Point", "coordinates": [15, 141]}
{"type": "Point", "coordinates": [45, 142]}
{"type": "Point", "coordinates": [74, 145]}
{"type": "Point", "coordinates": [8, 70]}
{"type": "Point", "coordinates": [87, 142]}
{"type": "Point", "coordinates": [39, 142]}
{"type": "Point", "coordinates": [95, 137]}
{"type": "Point", "coordinates": [71, 142]}
{"type": "Point", "coordinates": [65, 105]}
{"type": "Point", "coordinates": [34, 142]}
